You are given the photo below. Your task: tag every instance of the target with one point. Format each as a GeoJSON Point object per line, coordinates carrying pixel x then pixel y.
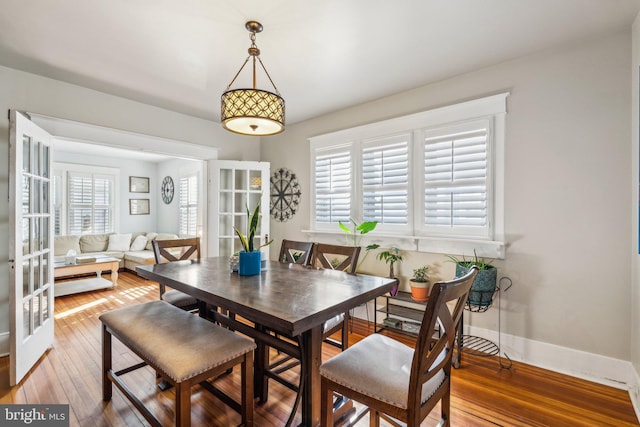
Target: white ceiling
{"type": "Point", "coordinates": [322, 55]}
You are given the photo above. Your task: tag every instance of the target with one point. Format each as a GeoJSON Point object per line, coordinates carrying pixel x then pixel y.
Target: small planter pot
{"type": "Point", "coordinates": [249, 263]}
{"type": "Point", "coordinates": [483, 288]}
{"type": "Point", "coordinates": [394, 290]}
{"type": "Point", "coordinates": [420, 291]}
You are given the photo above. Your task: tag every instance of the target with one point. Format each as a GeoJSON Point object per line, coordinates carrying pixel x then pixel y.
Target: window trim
{"type": "Point", "coordinates": [63, 169]}
{"type": "Point", "coordinates": [492, 107]}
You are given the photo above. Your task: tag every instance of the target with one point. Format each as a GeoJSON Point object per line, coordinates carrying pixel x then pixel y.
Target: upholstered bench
{"type": "Point", "coordinates": [183, 348]}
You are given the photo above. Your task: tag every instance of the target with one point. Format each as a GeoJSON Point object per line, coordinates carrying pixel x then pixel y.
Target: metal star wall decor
{"type": "Point", "coordinates": [285, 194]}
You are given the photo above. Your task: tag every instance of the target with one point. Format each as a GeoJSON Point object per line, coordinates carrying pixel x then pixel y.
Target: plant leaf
{"type": "Point", "coordinates": [243, 239]}
{"type": "Point", "coordinates": [367, 226]}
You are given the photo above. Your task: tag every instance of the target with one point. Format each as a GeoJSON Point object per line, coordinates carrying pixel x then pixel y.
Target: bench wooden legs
{"type": "Point", "coordinates": [107, 387]}
{"type": "Point", "coordinates": [182, 389]}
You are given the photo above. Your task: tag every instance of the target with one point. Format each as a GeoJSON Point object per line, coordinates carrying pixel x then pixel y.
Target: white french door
{"type": "Point", "coordinates": [234, 185]}
{"type": "Point", "coordinates": [30, 245]}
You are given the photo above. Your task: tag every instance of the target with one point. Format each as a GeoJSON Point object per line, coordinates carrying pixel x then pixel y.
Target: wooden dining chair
{"type": "Point", "coordinates": [394, 380]}
{"type": "Point", "coordinates": [295, 252]}
{"type": "Point", "coordinates": [336, 257]}
{"type": "Point", "coordinates": [177, 250]}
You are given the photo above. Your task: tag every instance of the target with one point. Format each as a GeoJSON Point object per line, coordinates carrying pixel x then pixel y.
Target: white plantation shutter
{"type": "Point", "coordinates": [188, 201]}
{"type": "Point", "coordinates": [385, 181]}
{"type": "Point", "coordinates": [333, 186]}
{"type": "Point", "coordinates": [456, 180]}
{"type": "Point", "coordinates": [90, 201]}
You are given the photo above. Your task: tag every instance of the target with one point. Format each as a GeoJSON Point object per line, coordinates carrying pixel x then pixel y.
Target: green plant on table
{"type": "Point", "coordinates": [246, 240]}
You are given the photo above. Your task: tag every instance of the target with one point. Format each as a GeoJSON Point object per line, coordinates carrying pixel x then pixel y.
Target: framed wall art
{"type": "Point", "coordinates": [138, 206]}
{"type": "Point", "coordinates": [138, 184]}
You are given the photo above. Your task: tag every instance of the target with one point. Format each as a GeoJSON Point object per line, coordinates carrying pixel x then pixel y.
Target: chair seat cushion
{"type": "Point", "coordinates": [179, 299]}
{"type": "Point", "coordinates": [178, 343]}
{"type": "Point", "coordinates": [379, 367]}
{"type": "Point", "coordinates": [333, 321]}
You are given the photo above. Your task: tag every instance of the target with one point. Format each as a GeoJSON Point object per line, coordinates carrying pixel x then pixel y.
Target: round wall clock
{"type": "Point", "coordinates": [167, 189]}
{"type": "Point", "coordinates": [285, 194]}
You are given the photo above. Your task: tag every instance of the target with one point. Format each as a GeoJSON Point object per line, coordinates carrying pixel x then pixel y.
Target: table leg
{"type": "Point", "coordinates": [311, 360]}
{"type": "Point", "coordinates": [114, 273]}
{"type": "Point", "coordinates": [261, 364]}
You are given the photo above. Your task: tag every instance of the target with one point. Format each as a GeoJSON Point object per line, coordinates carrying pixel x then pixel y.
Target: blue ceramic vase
{"type": "Point", "coordinates": [249, 263]}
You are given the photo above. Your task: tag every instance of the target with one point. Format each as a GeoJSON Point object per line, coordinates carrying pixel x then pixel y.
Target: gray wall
{"type": "Point", "coordinates": [567, 213]}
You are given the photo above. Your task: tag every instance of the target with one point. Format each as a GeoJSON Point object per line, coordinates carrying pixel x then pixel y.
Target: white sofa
{"type": "Point", "coordinates": [132, 249]}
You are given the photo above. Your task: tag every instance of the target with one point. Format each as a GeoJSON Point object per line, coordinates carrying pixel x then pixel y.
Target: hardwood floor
{"type": "Point", "coordinates": [482, 393]}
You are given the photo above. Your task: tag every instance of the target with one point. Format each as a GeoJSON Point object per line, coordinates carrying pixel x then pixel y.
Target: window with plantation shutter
{"type": "Point", "coordinates": [85, 199]}
{"type": "Point", "coordinates": [385, 180]}
{"type": "Point", "coordinates": [90, 201]}
{"type": "Point", "coordinates": [332, 171]}
{"type": "Point", "coordinates": [188, 202]}
{"type": "Point", "coordinates": [433, 181]}
{"type": "Point", "coordinates": [455, 167]}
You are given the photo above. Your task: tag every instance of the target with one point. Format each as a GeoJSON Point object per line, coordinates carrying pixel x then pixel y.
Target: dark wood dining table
{"type": "Point", "coordinates": [287, 299]}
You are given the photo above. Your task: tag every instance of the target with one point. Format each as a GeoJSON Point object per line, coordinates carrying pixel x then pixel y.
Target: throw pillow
{"type": "Point", "coordinates": [150, 238]}
{"type": "Point", "coordinates": [139, 243]}
{"type": "Point", "coordinates": [119, 242]}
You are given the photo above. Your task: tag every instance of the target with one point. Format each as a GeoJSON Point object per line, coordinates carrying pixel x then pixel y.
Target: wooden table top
{"type": "Point", "coordinates": [287, 298]}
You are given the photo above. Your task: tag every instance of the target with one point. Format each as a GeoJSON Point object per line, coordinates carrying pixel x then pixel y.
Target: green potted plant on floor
{"type": "Point", "coordinates": [249, 262]}
{"type": "Point", "coordinates": [420, 285]}
{"type": "Point", "coordinates": [484, 285]}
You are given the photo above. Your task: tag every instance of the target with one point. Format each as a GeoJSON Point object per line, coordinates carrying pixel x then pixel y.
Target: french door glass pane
{"type": "Point", "coordinates": [255, 180]}
{"type": "Point", "coordinates": [241, 203]}
{"type": "Point", "coordinates": [225, 205]}
{"type": "Point", "coordinates": [35, 239]}
{"type": "Point", "coordinates": [36, 273]}
{"type": "Point", "coordinates": [45, 270]}
{"type": "Point", "coordinates": [225, 247]}
{"type": "Point", "coordinates": [36, 311]}
{"type": "Point", "coordinates": [226, 179]}
{"type": "Point", "coordinates": [26, 241]}
{"type": "Point", "coordinates": [36, 195]}
{"type": "Point", "coordinates": [26, 154]}
{"type": "Point", "coordinates": [45, 161]}
{"type": "Point", "coordinates": [45, 305]}
{"type": "Point", "coordinates": [45, 197]}
{"type": "Point", "coordinates": [26, 194]}
{"type": "Point", "coordinates": [240, 222]}
{"type": "Point", "coordinates": [25, 277]}
{"type": "Point", "coordinates": [26, 319]}
{"type": "Point", "coordinates": [241, 180]}
{"type": "Point", "coordinates": [225, 225]}
{"type": "Point", "coordinates": [254, 199]}
{"type": "Point", "coordinates": [36, 158]}
{"type": "Point", "coordinates": [45, 232]}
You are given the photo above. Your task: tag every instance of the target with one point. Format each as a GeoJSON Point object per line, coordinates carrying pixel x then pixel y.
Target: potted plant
{"type": "Point", "coordinates": [250, 258]}
{"type": "Point", "coordinates": [420, 284]}
{"type": "Point", "coordinates": [354, 235]}
{"type": "Point", "coordinates": [391, 256]}
{"type": "Point", "coordinates": [484, 285]}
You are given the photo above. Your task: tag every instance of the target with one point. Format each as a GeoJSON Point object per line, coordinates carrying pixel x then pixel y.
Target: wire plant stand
{"type": "Point", "coordinates": [479, 302]}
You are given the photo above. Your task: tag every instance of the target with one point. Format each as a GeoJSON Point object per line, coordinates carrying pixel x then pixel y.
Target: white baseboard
{"type": "Point", "coordinates": [634, 394]}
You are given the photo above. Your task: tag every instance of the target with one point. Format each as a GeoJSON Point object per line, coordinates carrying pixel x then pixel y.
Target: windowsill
{"type": "Point", "coordinates": [437, 245]}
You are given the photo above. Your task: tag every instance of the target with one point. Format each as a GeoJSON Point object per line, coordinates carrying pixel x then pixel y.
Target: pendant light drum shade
{"type": "Point", "coordinates": [252, 112]}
